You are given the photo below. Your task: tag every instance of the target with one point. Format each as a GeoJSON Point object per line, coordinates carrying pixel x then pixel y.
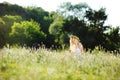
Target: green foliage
{"type": "Point", "coordinates": [96, 27]}
{"type": "Point", "coordinates": [23, 64]}
{"type": "Point", "coordinates": [1, 21]}
{"type": "Point", "coordinates": [56, 27]}
{"type": "Point", "coordinates": [26, 32]}
{"type": "Point", "coordinates": [77, 19]}
{"type": "Point", "coordinates": [38, 14]}
{"type": "Point", "coordinates": [96, 17]}
{"type": "Point", "coordinates": [10, 9]}
{"type": "Point", "coordinates": [44, 19]}
{"type": "Point", "coordinates": [64, 40]}
{"type": "Point", "coordinates": [113, 39]}
{"type": "Point", "coordinates": [9, 20]}
{"type": "Point", "coordinates": [5, 27]}
{"type": "Point", "coordinates": [2, 36]}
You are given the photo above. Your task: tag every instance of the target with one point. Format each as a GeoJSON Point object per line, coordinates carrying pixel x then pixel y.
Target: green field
{"type": "Point", "coordinates": [25, 64]}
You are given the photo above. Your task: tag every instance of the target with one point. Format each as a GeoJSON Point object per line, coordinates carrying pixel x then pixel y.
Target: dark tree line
{"type": "Point", "coordinates": [33, 25]}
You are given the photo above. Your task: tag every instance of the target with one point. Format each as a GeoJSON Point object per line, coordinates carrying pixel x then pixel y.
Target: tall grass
{"type": "Point", "coordinates": [25, 64]}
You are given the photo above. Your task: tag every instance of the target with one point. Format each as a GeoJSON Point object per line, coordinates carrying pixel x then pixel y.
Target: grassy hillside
{"type": "Point", "coordinates": [26, 64]}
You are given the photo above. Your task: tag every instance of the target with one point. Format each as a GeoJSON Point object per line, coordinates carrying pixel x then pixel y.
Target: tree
{"type": "Point", "coordinates": [2, 37]}
{"type": "Point", "coordinates": [27, 33]}
{"type": "Point", "coordinates": [38, 14]}
{"type": "Point", "coordinates": [12, 9]}
{"type": "Point", "coordinates": [69, 10]}
{"type": "Point", "coordinates": [113, 40]}
{"type": "Point", "coordinates": [5, 27]}
{"type": "Point", "coordinates": [56, 28]}
{"type": "Point", "coordinates": [96, 20]}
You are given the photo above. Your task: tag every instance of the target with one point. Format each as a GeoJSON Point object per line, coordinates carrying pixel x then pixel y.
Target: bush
{"type": "Point", "coordinates": [26, 33]}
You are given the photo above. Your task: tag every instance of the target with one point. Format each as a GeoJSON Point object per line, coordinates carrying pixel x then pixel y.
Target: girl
{"type": "Point", "coordinates": [76, 47]}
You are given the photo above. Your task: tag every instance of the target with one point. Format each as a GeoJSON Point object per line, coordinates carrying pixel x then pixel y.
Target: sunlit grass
{"type": "Point", "coordinates": [25, 64]}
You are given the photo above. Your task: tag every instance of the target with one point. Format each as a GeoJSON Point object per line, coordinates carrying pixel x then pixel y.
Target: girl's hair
{"type": "Point", "coordinates": [74, 37]}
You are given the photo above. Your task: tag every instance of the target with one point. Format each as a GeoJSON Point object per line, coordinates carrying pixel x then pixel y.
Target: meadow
{"type": "Point", "coordinates": [20, 63]}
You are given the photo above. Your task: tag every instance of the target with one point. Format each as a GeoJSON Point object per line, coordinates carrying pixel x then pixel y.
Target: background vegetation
{"type": "Point", "coordinates": [33, 25]}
